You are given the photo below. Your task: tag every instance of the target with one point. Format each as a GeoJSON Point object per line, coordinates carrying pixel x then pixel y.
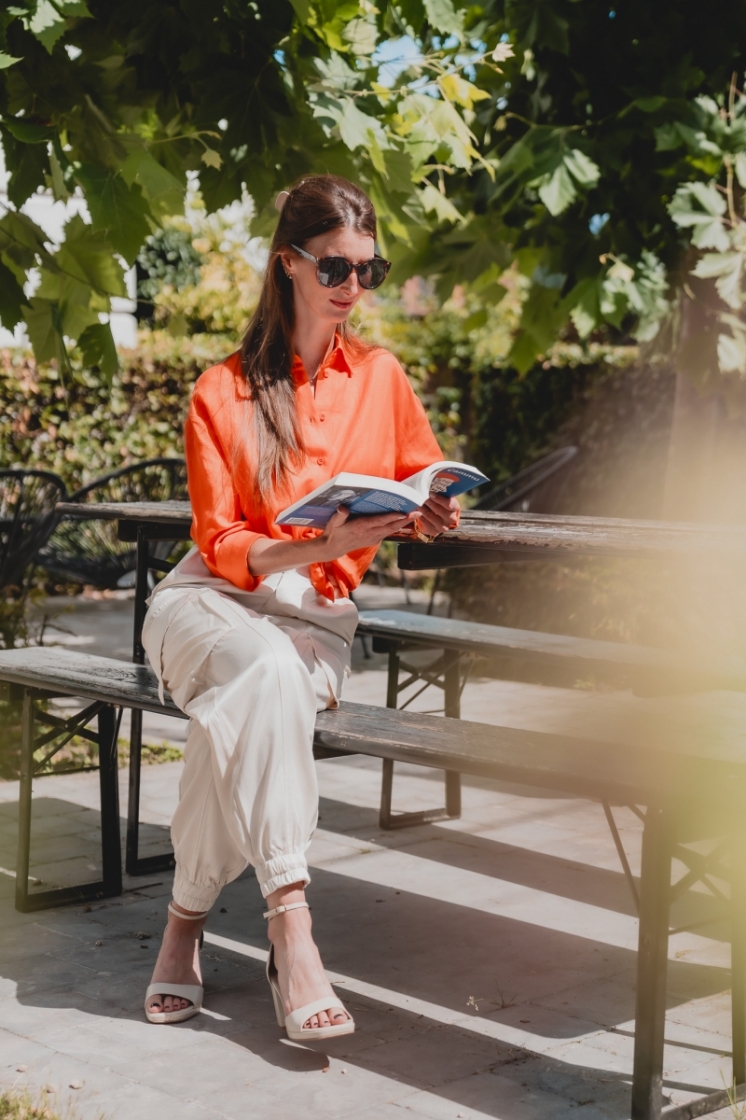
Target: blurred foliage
{"type": "Point", "coordinates": [169, 258]}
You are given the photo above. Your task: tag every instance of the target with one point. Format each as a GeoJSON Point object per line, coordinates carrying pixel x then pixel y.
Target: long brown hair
{"type": "Point", "coordinates": [315, 205]}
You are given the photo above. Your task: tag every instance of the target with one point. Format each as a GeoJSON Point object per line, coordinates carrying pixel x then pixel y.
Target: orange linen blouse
{"type": "Point", "coordinates": [364, 418]}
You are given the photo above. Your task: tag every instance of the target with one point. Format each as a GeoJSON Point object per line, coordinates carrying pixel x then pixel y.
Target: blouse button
{"type": "Point", "coordinates": [322, 417]}
{"type": "Point", "coordinates": [320, 462]}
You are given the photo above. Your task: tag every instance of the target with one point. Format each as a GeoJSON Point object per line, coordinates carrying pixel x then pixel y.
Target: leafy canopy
{"type": "Point", "coordinates": [122, 102]}
{"type": "Point", "coordinates": [599, 149]}
{"type": "Point", "coordinates": [618, 144]}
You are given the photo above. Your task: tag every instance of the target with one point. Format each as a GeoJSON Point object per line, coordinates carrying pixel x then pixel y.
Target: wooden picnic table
{"type": "Point", "coordinates": [480, 534]}
{"type": "Point", "coordinates": [482, 538]}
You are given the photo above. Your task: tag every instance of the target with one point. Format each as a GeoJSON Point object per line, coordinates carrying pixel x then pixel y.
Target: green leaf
{"type": "Point", "coordinates": [46, 23]}
{"type": "Point", "coordinates": [27, 131]}
{"type": "Point", "coordinates": [163, 190]}
{"type": "Point", "coordinates": [433, 202]}
{"type": "Point", "coordinates": [42, 324]}
{"type": "Point", "coordinates": [357, 129]}
{"type": "Point", "coordinates": [211, 158]}
{"type": "Point", "coordinates": [23, 241]}
{"type": "Point", "coordinates": [649, 104]}
{"type": "Point", "coordinates": [443, 17]}
{"type": "Point", "coordinates": [727, 270]}
{"type": "Point", "coordinates": [12, 299]}
{"type": "Point", "coordinates": [732, 353]}
{"type": "Point", "coordinates": [59, 187]}
{"type": "Point", "coordinates": [7, 60]}
{"type": "Point", "coordinates": [97, 349]}
{"type": "Point", "coordinates": [302, 9]}
{"type": "Point", "coordinates": [118, 210]}
{"type": "Point", "coordinates": [87, 255]}
{"type": "Point", "coordinates": [740, 167]}
{"type": "Point", "coordinates": [583, 170]}
{"type": "Point", "coordinates": [586, 311]}
{"type": "Point", "coordinates": [362, 37]}
{"type": "Point", "coordinates": [28, 165]}
{"type": "Point", "coordinates": [557, 190]}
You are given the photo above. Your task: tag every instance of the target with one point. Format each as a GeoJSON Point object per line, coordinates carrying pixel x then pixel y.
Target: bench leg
{"type": "Point", "coordinates": [24, 801]}
{"type": "Point", "coordinates": [108, 775]}
{"type": "Point", "coordinates": [111, 882]}
{"type": "Point", "coordinates": [652, 961]}
{"type": "Point", "coordinates": [389, 820]}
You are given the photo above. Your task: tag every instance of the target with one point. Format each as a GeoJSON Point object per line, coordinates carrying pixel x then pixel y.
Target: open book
{"type": "Point", "coordinates": [363, 494]}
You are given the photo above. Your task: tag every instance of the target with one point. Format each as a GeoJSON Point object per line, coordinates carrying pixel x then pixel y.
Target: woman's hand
{"type": "Point", "coordinates": [437, 515]}
{"type": "Point", "coordinates": [344, 534]}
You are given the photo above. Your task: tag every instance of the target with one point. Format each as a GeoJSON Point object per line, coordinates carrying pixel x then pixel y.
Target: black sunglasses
{"type": "Point", "coordinates": [333, 271]}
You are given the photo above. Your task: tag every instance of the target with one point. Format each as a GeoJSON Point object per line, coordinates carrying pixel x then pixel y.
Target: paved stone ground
{"type": "Point", "coordinates": [489, 962]}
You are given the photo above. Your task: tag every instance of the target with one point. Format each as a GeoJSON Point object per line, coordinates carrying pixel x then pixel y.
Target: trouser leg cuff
{"type": "Point", "coordinates": [193, 896]}
{"type": "Point", "coordinates": [282, 872]}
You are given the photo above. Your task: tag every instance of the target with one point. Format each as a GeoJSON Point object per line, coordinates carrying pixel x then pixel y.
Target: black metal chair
{"type": "Point", "coordinates": [28, 516]}
{"type": "Point", "coordinates": [89, 551]}
{"type": "Point", "coordinates": [535, 489]}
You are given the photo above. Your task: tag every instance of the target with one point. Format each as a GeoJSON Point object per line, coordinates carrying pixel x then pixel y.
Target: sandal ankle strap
{"type": "Point", "coordinates": [281, 909]}
{"type": "Point", "coordinates": [187, 917]}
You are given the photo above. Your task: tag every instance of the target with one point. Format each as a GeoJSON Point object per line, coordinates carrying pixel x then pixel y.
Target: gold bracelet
{"type": "Point", "coordinates": [422, 536]}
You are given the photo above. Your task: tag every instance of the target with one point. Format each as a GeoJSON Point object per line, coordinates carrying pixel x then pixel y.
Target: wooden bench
{"type": "Point", "coordinates": [681, 792]}
{"type": "Point", "coordinates": [525, 655]}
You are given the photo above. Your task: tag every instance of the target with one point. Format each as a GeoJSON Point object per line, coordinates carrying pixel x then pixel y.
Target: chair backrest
{"type": "Point", "coordinates": [535, 489]}
{"type": "Point", "coordinates": [153, 480]}
{"type": "Point", "coordinates": [28, 515]}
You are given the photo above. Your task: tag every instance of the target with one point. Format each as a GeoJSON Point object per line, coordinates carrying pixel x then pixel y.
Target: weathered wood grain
{"type": "Point", "coordinates": [67, 672]}
{"type": "Point", "coordinates": [482, 536]}
{"type": "Point", "coordinates": [645, 667]}
{"type": "Point", "coordinates": [169, 512]}
{"type": "Point", "coordinates": [613, 771]}
{"type": "Point", "coordinates": [513, 532]}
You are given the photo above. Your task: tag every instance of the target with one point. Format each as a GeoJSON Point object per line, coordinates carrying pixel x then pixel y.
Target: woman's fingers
{"type": "Point", "coordinates": [439, 514]}
{"type": "Point", "coordinates": [338, 518]}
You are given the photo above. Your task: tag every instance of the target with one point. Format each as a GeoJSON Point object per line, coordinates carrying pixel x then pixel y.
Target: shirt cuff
{"type": "Point", "coordinates": [232, 559]}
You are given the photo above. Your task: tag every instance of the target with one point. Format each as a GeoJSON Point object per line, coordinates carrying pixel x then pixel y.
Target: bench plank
{"type": "Point", "coordinates": [70, 673]}
{"type": "Point", "coordinates": [618, 772]}
{"type": "Point", "coordinates": [644, 664]}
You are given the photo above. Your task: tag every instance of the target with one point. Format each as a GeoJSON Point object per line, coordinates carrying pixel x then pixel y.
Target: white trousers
{"type": "Point", "coordinates": [251, 685]}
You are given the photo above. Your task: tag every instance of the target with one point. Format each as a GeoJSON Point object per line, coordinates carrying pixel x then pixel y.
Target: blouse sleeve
{"type": "Point", "coordinates": [219, 528]}
{"type": "Point", "coordinates": [416, 448]}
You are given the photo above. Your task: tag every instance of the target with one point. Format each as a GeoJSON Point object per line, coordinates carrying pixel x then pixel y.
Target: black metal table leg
{"type": "Point", "coordinates": [652, 961]}
{"type": "Point", "coordinates": [134, 864]}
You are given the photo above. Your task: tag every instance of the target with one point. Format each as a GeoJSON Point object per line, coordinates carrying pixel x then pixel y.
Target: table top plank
{"type": "Point", "coordinates": [533, 534]}
{"type": "Point", "coordinates": [170, 511]}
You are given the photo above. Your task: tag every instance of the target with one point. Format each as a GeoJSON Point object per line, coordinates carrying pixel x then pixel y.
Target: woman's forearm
{"type": "Point", "coordinates": [268, 556]}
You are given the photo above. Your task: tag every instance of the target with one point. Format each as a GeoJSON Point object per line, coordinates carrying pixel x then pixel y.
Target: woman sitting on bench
{"type": "Point", "coordinates": [252, 632]}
